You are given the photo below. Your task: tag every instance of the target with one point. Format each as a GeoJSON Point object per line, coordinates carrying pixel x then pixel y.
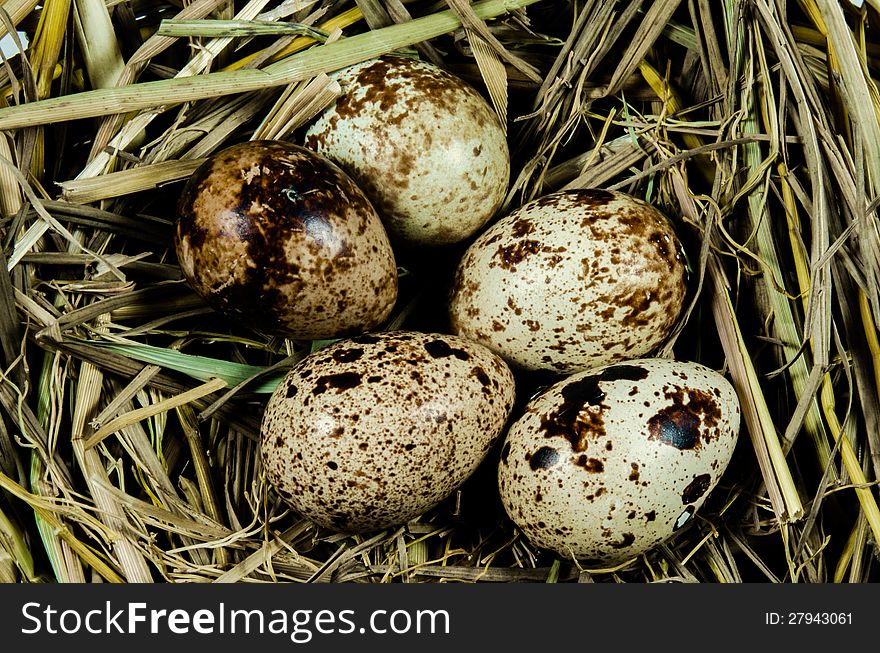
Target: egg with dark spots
{"type": "Point", "coordinates": [621, 457]}
{"type": "Point", "coordinates": [279, 238]}
{"type": "Point", "coordinates": [572, 281]}
{"type": "Point", "coordinates": [372, 431]}
{"type": "Point", "coordinates": [425, 146]}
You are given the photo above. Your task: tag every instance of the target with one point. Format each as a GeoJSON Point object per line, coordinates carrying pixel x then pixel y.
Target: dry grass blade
{"type": "Point", "coordinates": [493, 72]}
{"type": "Point", "coordinates": [50, 221]}
{"type": "Point", "coordinates": [10, 193]}
{"type": "Point", "coordinates": [203, 470]}
{"type": "Point", "coordinates": [652, 26]}
{"type": "Point", "coordinates": [14, 543]}
{"type": "Point", "coordinates": [156, 44]}
{"type": "Point", "coordinates": [297, 105]}
{"type": "Point", "coordinates": [374, 13]}
{"type": "Point", "coordinates": [103, 58]}
{"type": "Point", "coordinates": [261, 557]}
{"type": "Point", "coordinates": [235, 28]}
{"type": "Point", "coordinates": [116, 405]}
{"type": "Point", "coordinates": [152, 47]}
{"type": "Point", "coordinates": [859, 92]}
{"type": "Point", "coordinates": [134, 416]}
{"type": "Point", "coordinates": [767, 252]}
{"type": "Point", "coordinates": [473, 22]}
{"type": "Point", "coordinates": [9, 327]}
{"type": "Point", "coordinates": [285, 47]}
{"type": "Point", "coordinates": [46, 46]}
{"type": "Point", "coordinates": [578, 172]}
{"type": "Point", "coordinates": [755, 411]}
{"type": "Point", "coordinates": [210, 50]}
{"type": "Point", "coordinates": [17, 10]}
{"type": "Point", "coordinates": [399, 14]}
{"type": "Point", "coordinates": [598, 170]}
{"type": "Point", "coordinates": [313, 62]}
{"type": "Point", "coordinates": [62, 531]}
{"type": "Point", "coordinates": [88, 393]}
{"type": "Point", "coordinates": [126, 182]}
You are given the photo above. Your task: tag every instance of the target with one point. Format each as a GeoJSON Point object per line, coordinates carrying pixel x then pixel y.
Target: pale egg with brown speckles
{"type": "Point", "coordinates": [609, 463]}
{"type": "Point", "coordinates": [281, 239]}
{"type": "Point", "coordinates": [427, 149]}
{"type": "Point", "coordinates": [572, 281]}
{"type": "Point", "coordinates": [372, 431]}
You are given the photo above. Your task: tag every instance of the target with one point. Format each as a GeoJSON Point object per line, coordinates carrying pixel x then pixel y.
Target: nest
{"type": "Point", "coordinates": [131, 410]}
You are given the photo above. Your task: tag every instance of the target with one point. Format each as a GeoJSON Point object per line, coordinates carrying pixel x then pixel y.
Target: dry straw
{"type": "Point", "coordinates": [131, 411]}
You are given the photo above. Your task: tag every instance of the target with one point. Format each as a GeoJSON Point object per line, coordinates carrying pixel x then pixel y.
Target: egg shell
{"type": "Point", "coordinates": [426, 148]}
{"type": "Point", "coordinates": [373, 431]}
{"type": "Point", "coordinates": [607, 464]}
{"type": "Point", "coordinates": [280, 238]}
{"type": "Point", "coordinates": [572, 281]}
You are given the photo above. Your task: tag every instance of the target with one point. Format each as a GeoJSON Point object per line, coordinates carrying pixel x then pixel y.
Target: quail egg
{"type": "Point", "coordinates": [279, 238]}
{"type": "Point", "coordinates": [426, 148]}
{"type": "Point", "coordinates": [606, 464]}
{"type": "Point", "coordinates": [572, 281]}
{"type": "Point", "coordinates": [372, 431]}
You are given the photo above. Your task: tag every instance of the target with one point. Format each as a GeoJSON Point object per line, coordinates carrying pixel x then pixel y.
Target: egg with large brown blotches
{"type": "Point", "coordinates": [372, 431]}
{"type": "Point", "coordinates": [427, 149]}
{"type": "Point", "coordinates": [609, 463]}
{"type": "Point", "coordinates": [572, 281]}
{"type": "Point", "coordinates": [281, 239]}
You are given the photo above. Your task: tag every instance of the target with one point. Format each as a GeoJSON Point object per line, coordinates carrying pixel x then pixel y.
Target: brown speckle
{"type": "Point", "coordinates": [696, 489]}
{"type": "Point", "coordinates": [340, 381]}
{"type": "Point", "coordinates": [543, 458]}
{"type": "Point", "coordinates": [442, 349]}
{"type": "Point", "coordinates": [634, 474]}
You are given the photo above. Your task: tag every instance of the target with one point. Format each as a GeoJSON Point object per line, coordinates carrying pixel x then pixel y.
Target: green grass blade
{"type": "Point", "coordinates": [201, 368]}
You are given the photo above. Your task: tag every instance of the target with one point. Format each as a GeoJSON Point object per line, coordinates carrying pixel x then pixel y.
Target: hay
{"type": "Point", "coordinates": [130, 410]}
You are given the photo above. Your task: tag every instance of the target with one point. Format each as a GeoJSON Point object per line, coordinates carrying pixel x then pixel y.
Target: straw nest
{"type": "Point", "coordinates": [130, 410]}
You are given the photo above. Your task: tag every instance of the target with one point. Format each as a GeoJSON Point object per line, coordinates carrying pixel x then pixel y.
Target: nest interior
{"type": "Point", "coordinates": [131, 410]}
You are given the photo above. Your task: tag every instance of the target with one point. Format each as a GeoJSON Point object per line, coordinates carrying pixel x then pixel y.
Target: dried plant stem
{"type": "Point", "coordinates": [296, 106]}
{"type": "Point", "coordinates": [15, 556]}
{"type": "Point", "coordinates": [126, 182]}
{"type": "Point", "coordinates": [86, 554]}
{"type": "Point", "coordinates": [235, 28]}
{"type": "Point", "coordinates": [46, 46]}
{"type": "Point", "coordinates": [874, 348]}
{"type": "Point", "coordinates": [281, 50]}
{"type": "Point", "coordinates": [17, 10]}
{"type": "Point", "coordinates": [321, 59]}
{"type": "Point", "coordinates": [777, 476]}
{"type": "Point", "coordinates": [66, 566]}
{"type": "Point", "coordinates": [828, 401]}
{"type": "Point", "coordinates": [190, 426]}
{"type": "Point", "coordinates": [126, 419]}
{"type": "Point", "coordinates": [672, 105]}
{"type": "Point", "coordinates": [88, 393]}
{"type": "Point", "coordinates": [765, 243]}
{"type": "Point", "coordinates": [98, 43]}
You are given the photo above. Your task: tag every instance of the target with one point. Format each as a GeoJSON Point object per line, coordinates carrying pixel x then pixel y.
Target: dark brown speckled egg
{"type": "Point", "coordinates": [427, 149]}
{"type": "Point", "coordinates": [372, 431]}
{"type": "Point", "coordinates": [572, 281]}
{"type": "Point", "coordinates": [607, 464]}
{"type": "Point", "coordinates": [279, 238]}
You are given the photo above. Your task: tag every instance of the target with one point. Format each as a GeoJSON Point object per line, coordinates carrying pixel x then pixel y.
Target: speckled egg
{"type": "Point", "coordinates": [372, 431]}
{"type": "Point", "coordinates": [572, 281]}
{"type": "Point", "coordinates": [425, 147]}
{"type": "Point", "coordinates": [607, 464]}
{"type": "Point", "coordinates": [280, 238]}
